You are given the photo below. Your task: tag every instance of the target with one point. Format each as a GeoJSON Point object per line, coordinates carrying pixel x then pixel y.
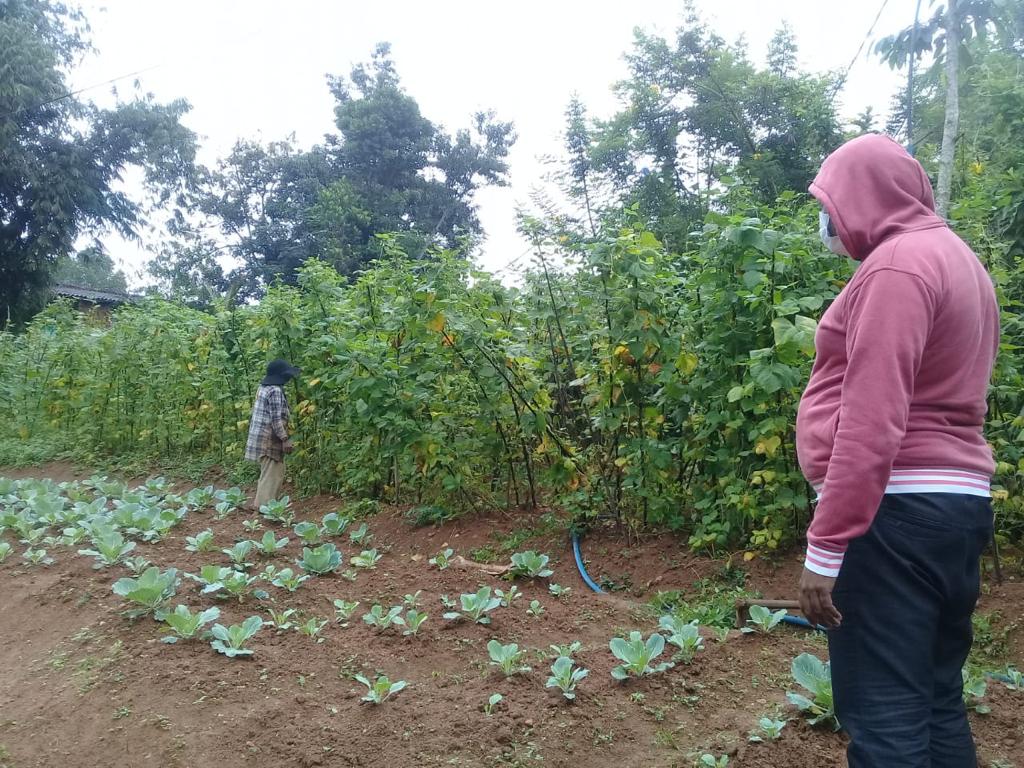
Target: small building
{"type": "Point", "coordinates": [90, 301]}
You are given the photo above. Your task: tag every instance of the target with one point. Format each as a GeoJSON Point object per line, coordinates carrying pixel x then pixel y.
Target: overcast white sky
{"type": "Point", "coordinates": [255, 68]}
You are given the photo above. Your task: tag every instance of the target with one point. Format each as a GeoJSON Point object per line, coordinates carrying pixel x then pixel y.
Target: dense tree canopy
{"type": "Point", "coordinates": [61, 156]}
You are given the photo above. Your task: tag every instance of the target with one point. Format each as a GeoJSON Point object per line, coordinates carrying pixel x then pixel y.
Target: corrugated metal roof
{"type": "Point", "coordinates": [90, 294]}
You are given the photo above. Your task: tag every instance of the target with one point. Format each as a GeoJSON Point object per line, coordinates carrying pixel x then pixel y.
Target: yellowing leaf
{"type": "Point", "coordinates": [767, 446]}
{"type": "Point", "coordinates": [314, 382]}
{"type": "Point", "coordinates": [436, 323]}
{"type": "Point", "coordinates": [748, 556]}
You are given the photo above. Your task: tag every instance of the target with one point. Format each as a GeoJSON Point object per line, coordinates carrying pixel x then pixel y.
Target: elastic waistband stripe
{"type": "Point", "coordinates": [934, 481]}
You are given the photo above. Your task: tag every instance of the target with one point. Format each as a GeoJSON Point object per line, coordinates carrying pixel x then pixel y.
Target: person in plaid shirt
{"type": "Point", "coordinates": [268, 431]}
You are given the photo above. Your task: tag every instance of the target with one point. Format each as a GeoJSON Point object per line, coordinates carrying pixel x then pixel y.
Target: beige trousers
{"type": "Point", "coordinates": [271, 478]}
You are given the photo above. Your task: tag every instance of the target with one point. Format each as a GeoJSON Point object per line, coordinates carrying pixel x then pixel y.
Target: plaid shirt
{"type": "Point", "coordinates": [268, 427]}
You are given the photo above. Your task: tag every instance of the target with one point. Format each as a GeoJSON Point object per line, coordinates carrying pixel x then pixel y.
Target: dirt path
{"type": "Point", "coordinates": [82, 686]}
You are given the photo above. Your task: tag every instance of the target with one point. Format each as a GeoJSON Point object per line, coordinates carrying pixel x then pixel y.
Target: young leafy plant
{"type": "Point", "coordinates": [380, 619]}
{"type": "Point", "coordinates": [566, 677]}
{"type": "Point", "coordinates": [684, 635]}
{"type": "Point", "coordinates": [710, 761]}
{"type": "Point", "coordinates": [413, 621]}
{"type": "Point", "coordinates": [442, 559]}
{"type": "Point", "coordinates": [200, 497]}
{"type": "Point", "coordinates": [36, 557]}
{"type": "Point", "coordinates": [288, 579]}
{"type": "Point", "coordinates": [637, 655]}
{"type": "Point", "coordinates": [334, 524]}
{"type": "Point", "coordinates": [816, 678]}
{"type": "Point", "coordinates": [448, 603]}
{"type": "Point", "coordinates": [234, 496]}
{"type": "Point", "coordinates": [975, 688]}
{"type": "Point", "coordinates": [281, 620]}
{"type": "Point", "coordinates": [182, 624]}
{"type": "Point", "coordinates": [368, 559]}
{"type": "Point", "coordinates": [361, 535]}
{"type": "Point", "coordinates": [308, 533]}
{"type": "Point", "coordinates": [231, 640]}
{"type": "Point", "coordinates": [5, 550]}
{"type": "Point", "coordinates": [768, 729]}
{"type": "Point", "coordinates": [1014, 678]}
{"type": "Point", "coordinates": [413, 600]}
{"type": "Point", "coordinates": [492, 701]}
{"type": "Point", "coordinates": [507, 597]}
{"type": "Point", "coordinates": [150, 591]}
{"type": "Point", "coordinates": [211, 577]}
{"type": "Point", "coordinates": [109, 547]}
{"type": "Point", "coordinates": [270, 544]}
{"type": "Point", "coordinates": [201, 542]}
{"type": "Point", "coordinates": [240, 553]}
{"type": "Point", "coordinates": [279, 511]}
{"type": "Point", "coordinates": [311, 628]}
{"type": "Point", "coordinates": [507, 658]}
{"type": "Point", "coordinates": [136, 564]}
{"type": "Point", "coordinates": [343, 610]}
{"type": "Point", "coordinates": [530, 564]}
{"type": "Point", "coordinates": [323, 559]}
{"type": "Point", "coordinates": [535, 609]}
{"type": "Point", "coordinates": [380, 689]}
{"type": "Point", "coordinates": [764, 620]}
{"type": "Point", "coordinates": [251, 526]}
{"type": "Point", "coordinates": [557, 590]}
{"type": "Point", "coordinates": [475, 606]}
{"type": "Point", "coordinates": [569, 649]}
{"type": "Point", "coordinates": [223, 509]}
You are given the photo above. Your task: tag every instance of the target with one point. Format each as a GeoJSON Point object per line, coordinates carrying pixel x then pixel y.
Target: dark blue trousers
{"type": "Point", "coordinates": [906, 590]}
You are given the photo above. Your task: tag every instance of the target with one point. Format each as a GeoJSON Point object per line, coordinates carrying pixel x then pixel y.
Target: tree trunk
{"type": "Point", "coordinates": [952, 123]}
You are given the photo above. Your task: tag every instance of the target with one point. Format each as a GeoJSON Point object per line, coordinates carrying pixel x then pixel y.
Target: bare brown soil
{"type": "Point", "coordinates": [82, 686]}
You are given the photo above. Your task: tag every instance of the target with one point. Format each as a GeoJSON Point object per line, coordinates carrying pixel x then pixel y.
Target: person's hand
{"type": "Point", "coordinates": [287, 446]}
{"type": "Point", "coordinates": [816, 599]}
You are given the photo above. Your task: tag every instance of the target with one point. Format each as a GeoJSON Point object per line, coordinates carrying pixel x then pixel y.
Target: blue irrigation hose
{"type": "Point", "coordinates": [579, 563]}
{"type": "Point", "coordinates": [796, 621]}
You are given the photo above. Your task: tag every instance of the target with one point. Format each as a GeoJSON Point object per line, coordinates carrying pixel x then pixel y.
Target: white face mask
{"type": "Point", "coordinates": [832, 242]}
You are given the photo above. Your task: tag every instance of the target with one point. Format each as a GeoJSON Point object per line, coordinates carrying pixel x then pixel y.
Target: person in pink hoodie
{"type": "Point", "coordinates": [889, 434]}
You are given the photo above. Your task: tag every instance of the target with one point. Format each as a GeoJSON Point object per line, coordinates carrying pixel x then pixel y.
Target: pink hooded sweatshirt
{"type": "Point", "coordinates": [897, 397]}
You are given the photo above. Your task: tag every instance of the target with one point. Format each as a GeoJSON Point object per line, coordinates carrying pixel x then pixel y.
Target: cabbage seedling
{"type": "Point", "coordinates": [279, 511]}
{"type": "Point", "coordinates": [311, 628]}
{"type": "Point", "coordinates": [270, 544]}
{"type": "Point", "coordinates": [763, 620]}
{"type": "Point", "coordinates": [5, 550]}
{"type": "Point", "coordinates": [185, 625]}
{"type": "Point", "coordinates": [684, 635]}
{"type": "Point", "coordinates": [380, 689]}
{"type": "Point", "coordinates": [136, 564]}
{"type": "Point", "coordinates": [150, 591]}
{"type": "Point", "coordinates": [636, 655]}
{"type": "Point", "coordinates": [475, 606]}
{"type": "Point", "coordinates": [349, 574]}
{"type": "Point", "coordinates": [570, 649]}
{"type": "Point", "coordinates": [223, 509]}
{"type": "Point", "coordinates": [281, 620]}
{"type": "Point", "coordinates": [442, 559]}
{"type": "Point", "coordinates": [710, 761]}
{"type": "Point", "coordinates": [320, 560]}
{"type": "Point", "coordinates": [530, 564]}
{"type": "Point", "coordinates": [201, 542]}
{"type": "Point", "coordinates": [1014, 679]}
{"type": "Point", "coordinates": [231, 640]}
{"type": "Point", "coordinates": [565, 677]}
{"type": "Point", "coordinates": [494, 700]}
{"type": "Point", "coordinates": [236, 584]}
{"type": "Point", "coordinates": [239, 554]}
{"type": "Point", "coordinates": [974, 690]}
{"type": "Point", "coordinates": [368, 559]}
{"type": "Point", "coordinates": [412, 601]}
{"type": "Point", "coordinates": [557, 590]}
{"type": "Point", "coordinates": [769, 729]}
{"type": "Point", "coordinates": [251, 526]}
{"type": "Point", "coordinates": [535, 609]}
{"type": "Point", "coordinates": [210, 576]}
{"type": "Point", "coordinates": [448, 603]}
{"type": "Point", "coordinates": [308, 533]}
{"type": "Point", "coordinates": [361, 535]}
{"type": "Point", "coordinates": [413, 621]}
{"type": "Point", "coordinates": [109, 546]}
{"type": "Point", "coordinates": [381, 620]}
{"type": "Point", "coordinates": [334, 524]}
{"type": "Point", "coordinates": [343, 610]}
{"type": "Point", "coordinates": [286, 578]}
{"type": "Point", "coordinates": [816, 678]}
{"type": "Point", "coordinates": [507, 658]}
{"type": "Point", "coordinates": [201, 497]}
{"type": "Point", "coordinates": [36, 557]}
{"type": "Point", "coordinates": [509, 597]}
{"type": "Point", "coordinates": [71, 537]}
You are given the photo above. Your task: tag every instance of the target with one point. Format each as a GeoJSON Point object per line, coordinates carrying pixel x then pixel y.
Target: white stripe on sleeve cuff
{"type": "Point", "coordinates": [822, 561]}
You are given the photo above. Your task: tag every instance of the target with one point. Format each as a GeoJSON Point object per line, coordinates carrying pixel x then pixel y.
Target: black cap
{"type": "Point", "coordinates": [279, 373]}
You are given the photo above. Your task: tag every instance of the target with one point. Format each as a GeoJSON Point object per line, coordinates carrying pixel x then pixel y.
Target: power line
{"type": "Point", "coordinates": [69, 94]}
{"type": "Point", "coordinates": [842, 81]}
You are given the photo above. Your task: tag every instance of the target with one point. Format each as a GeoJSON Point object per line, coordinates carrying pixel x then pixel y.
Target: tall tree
{"type": "Point", "coordinates": [91, 268]}
{"type": "Point", "coordinates": [61, 156]}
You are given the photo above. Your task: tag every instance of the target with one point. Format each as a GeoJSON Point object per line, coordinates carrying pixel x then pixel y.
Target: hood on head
{"type": "Point", "coordinates": [873, 189]}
